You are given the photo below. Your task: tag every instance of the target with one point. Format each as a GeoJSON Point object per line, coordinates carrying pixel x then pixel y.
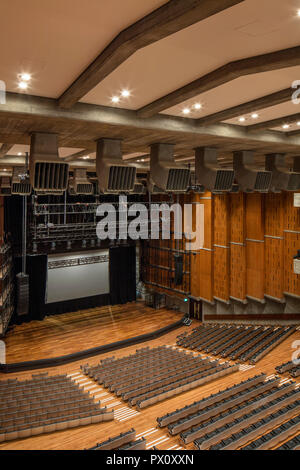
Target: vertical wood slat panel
{"type": "Point", "coordinates": [238, 278]}
{"type": "Point", "coordinates": [274, 225]}
{"type": "Point", "coordinates": [255, 246]}
{"type": "Point", "coordinates": [205, 263]}
{"type": "Point", "coordinates": [238, 272]}
{"type": "Point", "coordinates": [291, 244]}
{"type": "Point", "coordinates": [1, 219]}
{"type": "Point", "coordinates": [221, 247]}
{"type": "Point", "coordinates": [291, 280]}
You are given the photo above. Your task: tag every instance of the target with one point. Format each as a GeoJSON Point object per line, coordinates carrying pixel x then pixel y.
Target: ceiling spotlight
{"type": "Point", "coordinates": [298, 12]}
{"type": "Point", "coordinates": [186, 111]}
{"type": "Point", "coordinates": [142, 160]}
{"type": "Point", "coordinates": [115, 99]}
{"type": "Point", "coordinates": [298, 123]}
{"type": "Point", "coordinates": [25, 77]}
{"type": "Point", "coordinates": [86, 157]}
{"type": "Point", "coordinates": [254, 116]}
{"type": "Point", "coordinates": [19, 154]}
{"type": "Point", "coordinates": [197, 106]}
{"type": "Point", "coordinates": [125, 93]}
{"type": "Point", "coordinates": [23, 85]}
{"type": "Point", "coordinates": [242, 119]}
{"type": "Point", "coordinates": [285, 126]}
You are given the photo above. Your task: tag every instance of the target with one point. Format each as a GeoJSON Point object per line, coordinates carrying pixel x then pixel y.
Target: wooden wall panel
{"type": "Point", "coordinates": [292, 214]}
{"type": "Point", "coordinates": [221, 273]}
{"type": "Point", "coordinates": [1, 219]}
{"type": "Point", "coordinates": [206, 280]}
{"type": "Point", "coordinates": [274, 214]}
{"type": "Point", "coordinates": [237, 217]}
{"type": "Point", "coordinates": [238, 279]}
{"type": "Point", "coordinates": [221, 247]}
{"type": "Point", "coordinates": [255, 236]}
{"type": "Point", "coordinates": [291, 280]}
{"type": "Point", "coordinates": [221, 219]}
{"type": "Point", "coordinates": [255, 217]}
{"type": "Point", "coordinates": [274, 268]}
{"type": "Point", "coordinates": [255, 270]}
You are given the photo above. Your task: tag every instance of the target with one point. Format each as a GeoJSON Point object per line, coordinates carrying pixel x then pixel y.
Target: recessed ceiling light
{"type": "Point", "coordinates": [20, 153]}
{"type": "Point", "coordinates": [138, 161]}
{"type": "Point", "coordinates": [197, 106]}
{"type": "Point", "coordinates": [254, 116]}
{"type": "Point", "coordinates": [125, 93]}
{"type": "Point", "coordinates": [242, 119]}
{"type": "Point", "coordinates": [298, 123]}
{"type": "Point", "coordinates": [25, 77]}
{"type": "Point", "coordinates": [285, 126]}
{"type": "Point", "coordinates": [115, 99]}
{"type": "Point", "coordinates": [86, 157]}
{"type": "Point", "coordinates": [142, 160]}
{"type": "Point", "coordinates": [298, 12]}
{"type": "Point", "coordinates": [186, 111]}
{"type": "Point", "coordinates": [23, 85]}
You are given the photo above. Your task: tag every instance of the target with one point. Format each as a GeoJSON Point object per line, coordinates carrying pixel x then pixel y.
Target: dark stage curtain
{"type": "Point", "coordinates": [122, 274]}
{"type": "Point", "coordinates": [36, 268]}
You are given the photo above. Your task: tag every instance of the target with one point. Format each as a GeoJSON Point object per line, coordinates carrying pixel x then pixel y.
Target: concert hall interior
{"type": "Point", "coordinates": [150, 225]}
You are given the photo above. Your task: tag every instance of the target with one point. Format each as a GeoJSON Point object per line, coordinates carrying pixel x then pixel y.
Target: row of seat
{"type": "Point", "coordinates": [276, 436]}
{"type": "Point", "coordinates": [243, 401]}
{"type": "Point", "coordinates": [233, 420]}
{"type": "Point", "coordinates": [244, 343]}
{"type": "Point", "coordinates": [212, 399]}
{"type": "Point", "coordinates": [124, 441]}
{"type": "Point", "coordinates": [291, 367]}
{"type": "Point", "coordinates": [151, 375]}
{"type": "Point", "coordinates": [292, 444]}
{"type": "Point", "coordinates": [249, 433]}
{"type": "Point", "coordinates": [46, 404]}
{"type": "Point", "coordinates": [212, 421]}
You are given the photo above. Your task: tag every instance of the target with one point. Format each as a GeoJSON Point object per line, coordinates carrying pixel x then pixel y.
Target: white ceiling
{"type": "Point", "coordinates": [56, 40]}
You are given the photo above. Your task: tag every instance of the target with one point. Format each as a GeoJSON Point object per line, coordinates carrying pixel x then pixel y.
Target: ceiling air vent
{"type": "Point", "coordinates": [114, 175]}
{"type": "Point", "coordinates": [47, 171]}
{"type": "Point", "coordinates": [20, 182]}
{"type": "Point", "coordinates": [283, 179]}
{"type": "Point", "coordinates": [248, 176]}
{"type": "Point", "coordinates": [5, 186]}
{"type": "Point", "coordinates": [165, 173]}
{"type": "Point", "coordinates": [81, 183]}
{"type": "Point", "coordinates": [208, 171]}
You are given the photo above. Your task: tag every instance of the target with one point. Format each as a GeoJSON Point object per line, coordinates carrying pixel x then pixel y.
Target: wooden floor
{"type": "Point", "coordinates": [72, 332]}
{"type": "Point", "coordinates": [64, 334]}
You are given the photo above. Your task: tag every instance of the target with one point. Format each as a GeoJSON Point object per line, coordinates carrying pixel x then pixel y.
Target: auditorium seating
{"type": "Point", "coordinates": [243, 343]}
{"type": "Point", "coordinates": [230, 417]}
{"type": "Point", "coordinates": [276, 436]}
{"type": "Point", "coordinates": [152, 375]}
{"type": "Point", "coordinates": [290, 367]}
{"type": "Point", "coordinates": [292, 444]}
{"type": "Point", "coordinates": [45, 404]}
{"type": "Point", "coordinates": [124, 441]}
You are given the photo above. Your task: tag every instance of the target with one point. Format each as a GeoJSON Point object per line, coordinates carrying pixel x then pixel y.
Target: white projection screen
{"type": "Point", "coordinates": [83, 278]}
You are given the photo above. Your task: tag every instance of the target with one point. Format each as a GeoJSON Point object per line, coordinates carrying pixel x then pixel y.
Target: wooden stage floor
{"type": "Point", "coordinates": [76, 331]}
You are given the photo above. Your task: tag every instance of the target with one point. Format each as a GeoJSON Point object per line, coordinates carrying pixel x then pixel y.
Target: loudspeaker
{"type": "Point", "coordinates": [178, 269]}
